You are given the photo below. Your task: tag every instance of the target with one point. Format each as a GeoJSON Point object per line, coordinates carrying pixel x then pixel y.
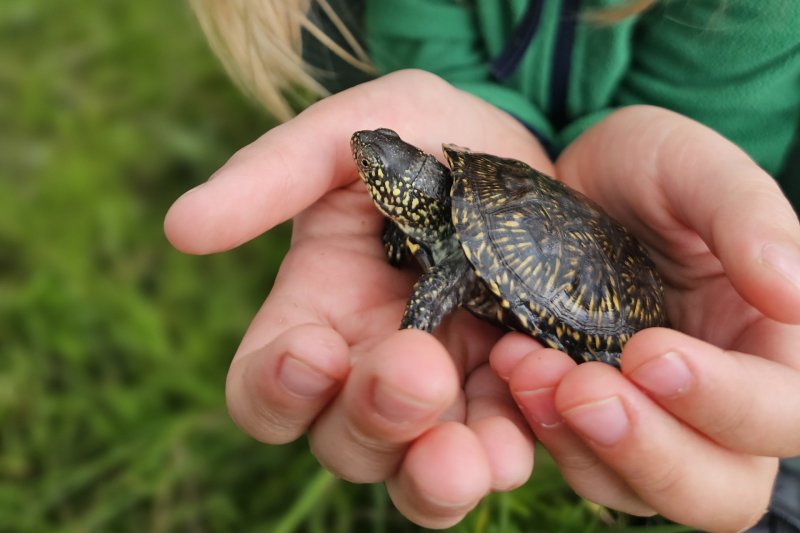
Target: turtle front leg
{"type": "Point", "coordinates": [437, 292]}
{"type": "Point", "coordinates": [394, 243]}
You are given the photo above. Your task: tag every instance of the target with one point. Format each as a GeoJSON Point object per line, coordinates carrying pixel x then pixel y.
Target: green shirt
{"type": "Point", "coordinates": [733, 65]}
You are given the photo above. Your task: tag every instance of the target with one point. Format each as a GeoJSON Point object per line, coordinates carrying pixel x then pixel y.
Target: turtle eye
{"type": "Point", "coordinates": [364, 162]}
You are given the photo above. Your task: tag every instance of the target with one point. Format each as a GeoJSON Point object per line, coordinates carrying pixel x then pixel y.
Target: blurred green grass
{"type": "Point", "coordinates": [113, 346]}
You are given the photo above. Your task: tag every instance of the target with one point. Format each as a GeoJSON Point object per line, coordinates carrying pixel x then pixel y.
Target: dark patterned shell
{"type": "Point", "coordinates": [567, 272]}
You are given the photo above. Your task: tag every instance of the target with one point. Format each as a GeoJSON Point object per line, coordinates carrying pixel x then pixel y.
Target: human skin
{"type": "Point", "coordinates": [427, 414]}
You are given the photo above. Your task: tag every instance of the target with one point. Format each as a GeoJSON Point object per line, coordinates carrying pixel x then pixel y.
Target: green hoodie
{"type": "Point", "coordinates": [733, 65]}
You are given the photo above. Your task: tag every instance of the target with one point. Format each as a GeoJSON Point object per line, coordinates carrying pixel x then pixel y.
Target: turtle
{"type": "Point", "coordinates": [511, 245]}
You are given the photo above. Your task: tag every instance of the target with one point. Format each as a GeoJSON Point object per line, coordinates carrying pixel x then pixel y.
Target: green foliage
{"type": "Point", "coordinates": [113, 346]}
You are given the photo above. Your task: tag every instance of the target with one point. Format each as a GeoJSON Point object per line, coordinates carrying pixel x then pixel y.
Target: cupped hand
{"type": "Point", "coordinates": [692, 426]}
{"type": "Point", "coordinates": [324, 354]}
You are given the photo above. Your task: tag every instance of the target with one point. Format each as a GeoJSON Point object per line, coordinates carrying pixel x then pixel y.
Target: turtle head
{"type": "Point", "coordinates": [407, 185]}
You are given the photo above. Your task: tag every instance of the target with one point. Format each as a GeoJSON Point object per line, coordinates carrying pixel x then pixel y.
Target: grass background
{"type": "Point", "coordinates": [113, 346]}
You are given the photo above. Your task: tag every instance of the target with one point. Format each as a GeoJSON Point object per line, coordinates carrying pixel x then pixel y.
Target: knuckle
{"type": "Point", "coordinates": [729, 424]}
{"type": "Point", "coordinates": [371, 445]}
{"type": "Point", "coordinates": [266, 424]}
{"type": "Point", "coordinates": [261, 418]}
{"type": "Point", "coordinates": [420, 510]}
{"type": "Point", "coordinates": [578, 462]}
{"type": "Point", "coordinates": [356, 457]}
{"type": "Point", "coordinates": [659, 479]}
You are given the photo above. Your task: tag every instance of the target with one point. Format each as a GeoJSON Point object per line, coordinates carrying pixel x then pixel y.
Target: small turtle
{"type": "Point", "coordinates": [511, 245]}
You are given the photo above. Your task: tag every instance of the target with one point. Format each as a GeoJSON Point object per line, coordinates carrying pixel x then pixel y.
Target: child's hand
{"type": "Point", "coordinates": [693, 424]}
{"type": "Point", "coordinates": [323, 354]}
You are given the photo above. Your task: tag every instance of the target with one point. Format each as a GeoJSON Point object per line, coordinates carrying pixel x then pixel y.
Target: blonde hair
{"type": "Point", "coordinates": [260, 44]}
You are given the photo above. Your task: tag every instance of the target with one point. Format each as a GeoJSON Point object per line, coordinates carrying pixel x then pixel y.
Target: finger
{"type": "Point", "coordinates": [500, 428]}
{"type": "Point", "coordinates": [510, 351]}
{"type": "Point", "coordinates": [533, 384]}
{"type": "Point", "coordinates": [274, 393]}
{"type": "Point", "coordinates": [656, 167]}
{"type": "Point", "coordinates": [395, 392]}
{"type": "Point", "coordinates": [733, 398]}
{"type": "Point", "coordinates": [444, 475]}
{"type": "Point", "coordinates": [468, 339]}
{"type": "Point", "coordinates": [294, 164]}
{"type": "Point", "coordinates": [683, 475]}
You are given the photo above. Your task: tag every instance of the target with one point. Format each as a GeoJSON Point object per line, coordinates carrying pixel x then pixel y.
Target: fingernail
{"type": "Point", "coordinates": [604, 422]}
{"type": "Point", "coordinates": [667, 376]}
{"type": "Point", "coordinates": [784, 260]}
{"type": "Point", "coordinates": [397, 406]}
{"type": "Point", "coordinates": [540, 406]}
{"type": "Point", "coordinates": [302, 379]}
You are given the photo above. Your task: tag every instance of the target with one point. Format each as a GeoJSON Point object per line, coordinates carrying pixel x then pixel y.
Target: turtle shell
{"type": "Point", "coordinates": [562, 269]}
